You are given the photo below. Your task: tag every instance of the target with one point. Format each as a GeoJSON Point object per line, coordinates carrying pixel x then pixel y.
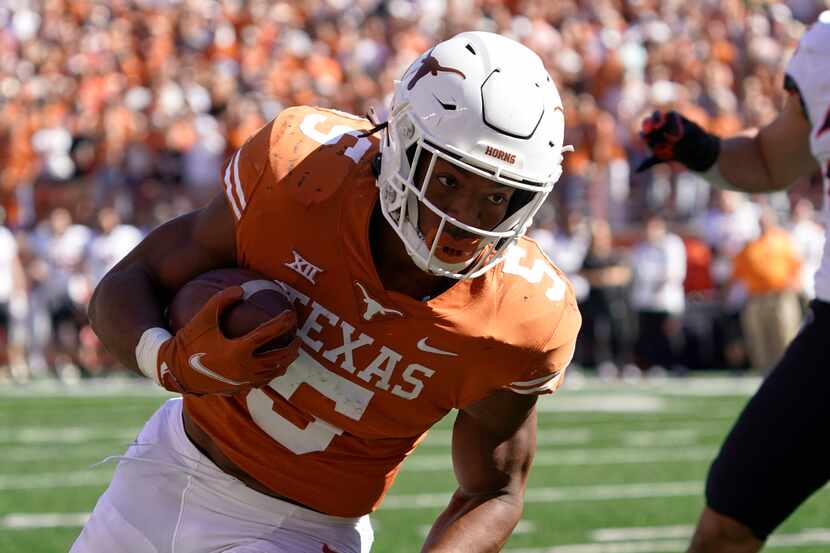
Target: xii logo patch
{"type": "Point", "coordinates": [307, 270]}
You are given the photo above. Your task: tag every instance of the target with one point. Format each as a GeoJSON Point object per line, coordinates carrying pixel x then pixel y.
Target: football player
{"type": "Point", "coordinates": [402, 247]}
{"type": "Point", "coordinates": [775, 456]}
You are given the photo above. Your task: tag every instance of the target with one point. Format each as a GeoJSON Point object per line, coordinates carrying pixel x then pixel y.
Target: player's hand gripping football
{"type": "Point", "coordinates": [199, 359]}
{"type": "Point", "coordinates": [672, 137]}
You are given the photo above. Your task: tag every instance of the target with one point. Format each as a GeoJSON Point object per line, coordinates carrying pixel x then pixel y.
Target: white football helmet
{"type": "Point", "coordinates": [486, 104]}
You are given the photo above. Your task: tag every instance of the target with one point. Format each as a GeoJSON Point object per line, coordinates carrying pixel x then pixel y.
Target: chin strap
{"type": "Point", "coordinates": [376, 165]}
{"type": "Point", "coordinates": [377, 127]}
{"type": "Point", "coordinates": [373, 130]}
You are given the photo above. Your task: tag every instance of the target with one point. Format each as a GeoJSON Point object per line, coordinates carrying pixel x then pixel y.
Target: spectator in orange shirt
{"type": "Point", "coordinates": [769, 267]}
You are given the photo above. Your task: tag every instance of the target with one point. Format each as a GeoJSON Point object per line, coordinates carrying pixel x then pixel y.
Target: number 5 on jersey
{"type": "Point", "coordinates": [310, 128]}
{"type": "Point", "coordinates": [349, 399]}
{"type": "Point", "coordinates": [533, 275]}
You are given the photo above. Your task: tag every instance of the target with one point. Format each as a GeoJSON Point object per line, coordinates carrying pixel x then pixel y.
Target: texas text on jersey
{"type": "Point", "coordinates": [376, 368]}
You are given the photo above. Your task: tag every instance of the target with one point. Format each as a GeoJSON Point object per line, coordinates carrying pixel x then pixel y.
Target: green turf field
{"type": "Point", "coordinates": [619, 468]}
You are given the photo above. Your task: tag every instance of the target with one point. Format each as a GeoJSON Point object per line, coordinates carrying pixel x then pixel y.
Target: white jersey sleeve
{"type": "Point", "coordinates": [810, 69]}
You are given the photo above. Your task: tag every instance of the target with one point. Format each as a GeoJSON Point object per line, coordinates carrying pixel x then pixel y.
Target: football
{"type": "Point", "coordinates": [263, 300]}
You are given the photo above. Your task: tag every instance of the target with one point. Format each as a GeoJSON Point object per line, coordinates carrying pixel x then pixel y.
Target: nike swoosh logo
{"type": "Point", "coordinates": [423, 346]}
{"type": "Point", "coordinates": [196, 363]}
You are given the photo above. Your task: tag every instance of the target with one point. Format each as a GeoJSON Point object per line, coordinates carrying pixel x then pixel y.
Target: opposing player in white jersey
{"type": "Point", "coordinates": [777, 453]}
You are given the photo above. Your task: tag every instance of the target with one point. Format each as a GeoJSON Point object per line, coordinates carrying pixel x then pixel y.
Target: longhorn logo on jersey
{"type": "Point", "coordinates": [373, 307]}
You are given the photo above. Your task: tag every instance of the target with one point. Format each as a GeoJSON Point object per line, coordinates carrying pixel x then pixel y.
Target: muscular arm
{"type": "Point", "coordinates": [773, 157]}
{"type": "Point", "coordinates": [493, 445]}
{"type": "Point", "coordinates": [132, 296]}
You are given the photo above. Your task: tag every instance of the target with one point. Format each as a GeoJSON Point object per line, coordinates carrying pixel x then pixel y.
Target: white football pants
{"type": "Point", "coordinates": [166, 497]}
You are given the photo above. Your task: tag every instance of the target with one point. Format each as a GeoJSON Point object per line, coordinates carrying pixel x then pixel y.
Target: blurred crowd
{"type": "Point", "coordinates": [117, 115]}
{"type": "Point", "coordinates": [726, 289]}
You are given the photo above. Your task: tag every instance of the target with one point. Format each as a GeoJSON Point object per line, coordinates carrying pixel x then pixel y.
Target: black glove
{"type": "Point", "coordinates": [672, 137]}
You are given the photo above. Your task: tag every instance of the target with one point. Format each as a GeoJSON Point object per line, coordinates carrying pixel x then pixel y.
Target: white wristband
{"type": "Point", "coordinates": [147, 351]}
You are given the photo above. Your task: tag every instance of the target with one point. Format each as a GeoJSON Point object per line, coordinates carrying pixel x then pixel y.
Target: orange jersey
{"type": "Point", "coordinates": [377, 368]}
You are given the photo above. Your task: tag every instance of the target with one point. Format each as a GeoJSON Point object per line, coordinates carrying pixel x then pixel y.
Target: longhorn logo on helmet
{"type": "Point", "coordinates": [430, 65]}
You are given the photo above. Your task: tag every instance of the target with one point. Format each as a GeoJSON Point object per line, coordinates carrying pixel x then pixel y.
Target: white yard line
{"type": "Point", "coordinates": [27, 521]}
{"type": "Point", "coordinates": [642, 533]}
{"type": "Point", "coordinates": [65, 435]}
{"type": "Point", "coordinates": [77, 479]}
{"type": "Point", "coordinates": [30, 454]}
{"type": "Point", "coordinates": [644, 490]}
{"type": "Point", "coordinates": [694, 386]}
{"type": "Point", "coordinates": [633, 540]}
{"type": "Point", "coordinates": [637, 541]}
{"type": "Point", "coordinates": [93, 387]}
{"type": "Point", "coordinates": [560, 436]}
{"type": "Point", "coordinates": [811, 536]}
{"type": "Point", "coordinates": [711, 387]}
{"type": "Point", "coordinates": [668, 546]}
{"type": "Point", "coordinates": [675, 437]}
{"type": "Point", "coordinates": [598, 403]}
{"type": "Point", "coordinates": [577, 457]}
